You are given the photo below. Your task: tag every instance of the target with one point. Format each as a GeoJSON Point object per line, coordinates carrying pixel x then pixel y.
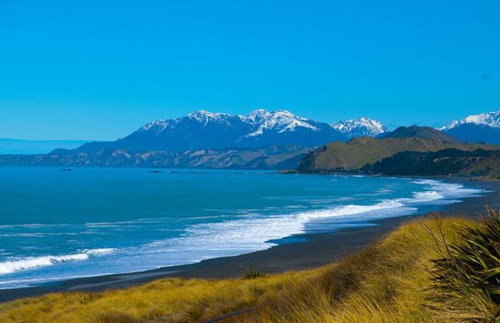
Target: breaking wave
{"type": "Point", "coordinates": [8, 267]}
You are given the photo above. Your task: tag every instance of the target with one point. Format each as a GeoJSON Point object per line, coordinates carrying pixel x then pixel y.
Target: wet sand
{"type": "Point", "coordinates": [312, 251]}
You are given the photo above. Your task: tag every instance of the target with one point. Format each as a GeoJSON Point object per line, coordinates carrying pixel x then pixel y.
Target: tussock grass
{"type": "Point", "coordinates": [409, 276]}
{"type": "Point", "coordinates": [467, 276]}
{"type": "Point", "coordinates": [437, 270]}
{"type": "Point", "coordinates": [171, 300]}
{"type": "Point", "coordinates": [385, 283]}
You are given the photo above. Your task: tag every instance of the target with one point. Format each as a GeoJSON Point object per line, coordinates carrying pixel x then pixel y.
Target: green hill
{"type": "Point", "coordinates": [420, 132]}
{"type": "Point", "coordinates": [355, 154]}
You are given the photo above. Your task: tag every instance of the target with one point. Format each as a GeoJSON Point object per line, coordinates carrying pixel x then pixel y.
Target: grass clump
{"type": "Point", "coordinates": [252, 274]}
{"type": "Point", "coordinates": [467, 276]}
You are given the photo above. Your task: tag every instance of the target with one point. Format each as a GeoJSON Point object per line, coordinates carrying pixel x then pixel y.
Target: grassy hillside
{"type": "Point", "coordinates": [366, 150]}
{"type": "Point", "coordinates": [419, 132]}
{"type": "Point", "coordinates": [437, 270]}
{"type": "Point", "coordinates": [359, 152]}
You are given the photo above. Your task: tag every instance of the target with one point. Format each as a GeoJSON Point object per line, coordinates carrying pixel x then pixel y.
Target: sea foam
{"type": "Point", "coordinates": [12, 266]}
{"type": "Point", "coordinates": [254, 233]}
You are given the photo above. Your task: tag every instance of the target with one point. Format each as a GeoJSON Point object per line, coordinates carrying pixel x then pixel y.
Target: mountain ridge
{"type": "Point", "coordinates": [478, 128]}
{"type": "Point", "coordinates": [273, 157]}
{"type": "Point", "coordinates": [262, 139]}
{"type": "Point", "coordinates": [258, 129]}
{"type": "Point", "coordinates": [491, 119]}
{"type": "Point", "coordinates": [418, 132]}
{"type": "Point", "coordinates": [357, 153]}
{"type": "Point", "coordinates": [360, 127]}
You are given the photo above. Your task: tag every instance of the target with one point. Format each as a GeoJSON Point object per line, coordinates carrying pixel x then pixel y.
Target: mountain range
{"type": "Point", "coordinates": [261, 139]}
{"type": "Point", "coordinates": [222, 131]}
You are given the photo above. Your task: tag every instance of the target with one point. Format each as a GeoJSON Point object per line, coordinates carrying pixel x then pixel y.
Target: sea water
{"type": "Point", "coordinates": [58, 223]}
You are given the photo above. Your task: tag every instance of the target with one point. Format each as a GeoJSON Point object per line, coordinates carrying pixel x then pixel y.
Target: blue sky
{"type": "Point", "coordinates": [100, 69]}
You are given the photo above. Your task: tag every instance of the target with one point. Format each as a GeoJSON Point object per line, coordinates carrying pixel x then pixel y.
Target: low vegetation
{"type": "Point", "coordinates": [467, 275]}
{"type": "Point", "coordinates": [439, 270]}
{"type": "Point", "coordinates": [432, 270]}
{"type": "Point", "coordinates": [361, 152]}
{"type": "Point", "coordinates": [444, 162]}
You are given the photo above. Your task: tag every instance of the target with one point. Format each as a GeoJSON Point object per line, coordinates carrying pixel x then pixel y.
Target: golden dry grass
{"type": "Point", "coordinates": [172, 299]}
{"type": "Point", "coordinates": [388, 282]}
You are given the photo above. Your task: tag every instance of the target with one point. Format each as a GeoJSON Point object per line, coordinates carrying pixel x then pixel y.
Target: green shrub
{"type": "Point", "coordinates": [252, 274]}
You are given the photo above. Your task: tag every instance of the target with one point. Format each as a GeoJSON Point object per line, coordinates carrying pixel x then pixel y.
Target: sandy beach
{"type": "Point", "coordinates": [299, 252]}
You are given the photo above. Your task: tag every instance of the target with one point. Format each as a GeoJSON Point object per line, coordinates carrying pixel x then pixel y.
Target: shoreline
{"type": "Point", "coordinates": [311, 250]}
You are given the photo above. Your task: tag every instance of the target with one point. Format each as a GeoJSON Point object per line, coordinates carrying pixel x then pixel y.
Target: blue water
{"type": "Point", "coordinates": [58, 224]}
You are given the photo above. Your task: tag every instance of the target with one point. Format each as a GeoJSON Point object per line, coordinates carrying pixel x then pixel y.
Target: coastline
{"type": "Point", "coordinates": [310, 251]}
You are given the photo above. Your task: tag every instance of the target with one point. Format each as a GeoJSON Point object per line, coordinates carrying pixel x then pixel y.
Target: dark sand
{"type": "Point", "coordinates": [315, 250]}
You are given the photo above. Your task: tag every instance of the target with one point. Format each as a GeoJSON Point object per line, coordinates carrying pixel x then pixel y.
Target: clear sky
{"type": "Point", "coordinates": [100, 69]}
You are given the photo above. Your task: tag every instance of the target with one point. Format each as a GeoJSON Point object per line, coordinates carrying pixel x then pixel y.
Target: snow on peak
{"type": "Point", "coordinates": [491, 119]}
{"type": "Point", "coordinates": [280, 121]}
{"type": "Point", "coordinates": [158, 125]}
{"type": "Point", "coordinates": [205, 116]}
{"type": "Point", "coordinates": [258, 115]}
{"type": "Point", "coordinates": [262, 122]}
{"type": "Point", "coordinates": [360, 127]}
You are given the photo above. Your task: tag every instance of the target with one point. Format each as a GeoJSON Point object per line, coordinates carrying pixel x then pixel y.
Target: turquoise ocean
{"type": "Point", "coordinates": [59, 224]}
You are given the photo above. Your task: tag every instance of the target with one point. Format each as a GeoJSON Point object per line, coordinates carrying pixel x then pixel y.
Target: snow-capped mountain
{"type": "Point", "coordinates": [207, 130]}
{"type": "Point", "coordinates": [491, 119]}
{"type": "Point", "coordinates": [261, 139]}
{"type": "Point", "coordinates": [278, 121]}
{"type": "Point", "coordinates": [360, 127]}
{"type": "Point", "coordinates": [484, 127]}
{"type": "Point", "coordinates": [258, 129]}
{"type": "Point", "coordinates": [259, 121]}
